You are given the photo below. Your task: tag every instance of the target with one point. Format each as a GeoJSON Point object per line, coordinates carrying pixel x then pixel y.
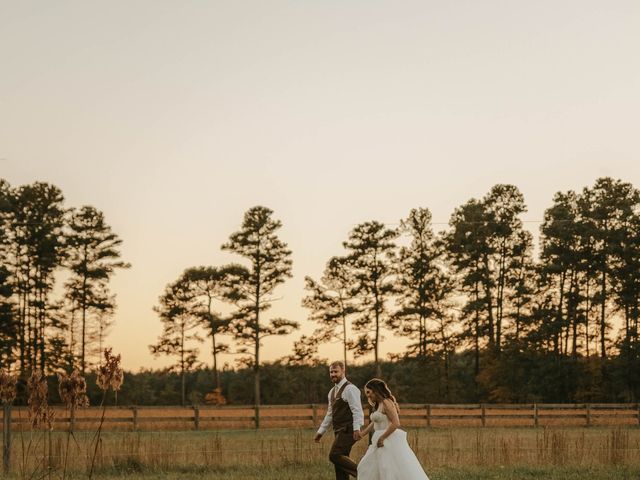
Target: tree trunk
{"type": "Point", "coordinates": [6, 440]}
{"type": "Point", "coordinates": [500, 297]}
{"type": "Point", "coordinates": [603, 347]}
{"type": "Point", "coordinates": [377, 337]}
{"type": "Point", "coordinates": [490, 319]}
{"type": "Point", "coordinates": [182, 367]}
{"type": "Point", "coordinates": [216, 374]}
{"type": "Point", "coordinates": [423, 333]}
{"type": "Point", "coordinates": [344, 340]}
{"type": "Point", "coordinates": [445, 348]}
{"type": "Point", "coordinates": [477, 330]}
{"type": "Point", "coordinates": [43, 320]}
{"type": "Point", "coordinates": [256, 366]}
{"type": "Point", "coordinates": [486, 284]}
{"type": "Point", "coordinates": [214, 349]}
{"type": "Point", "coordinates": [559, 319]}
{"type": "Point", "coordinates": [72, 337]}
{"type": "Point", "coordinates": [257, 394]}
{"type": "Point", "coordinates": [627, 331]}
{"type": "Point", "coordinates": [84, 325]}
{"type": "Point", "coordinates": [635, 324]}
{"type": "Point", "coordinates": [574, 315]}
{"type": "Point", "coordinates": [586, 316]}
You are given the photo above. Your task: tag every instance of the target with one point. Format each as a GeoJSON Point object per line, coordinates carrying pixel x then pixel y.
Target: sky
{"type": "Point", "coordinates": [174, 118]}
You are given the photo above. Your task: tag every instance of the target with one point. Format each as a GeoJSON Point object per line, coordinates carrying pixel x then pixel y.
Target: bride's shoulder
{"type": "Point", "coordinates": [389, 406]}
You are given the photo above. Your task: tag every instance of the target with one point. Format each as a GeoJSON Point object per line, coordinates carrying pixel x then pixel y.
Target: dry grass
{"type": "Point", "coordinates": [323, 471]}
{"type": "Point", "coordinates": [597, 448]}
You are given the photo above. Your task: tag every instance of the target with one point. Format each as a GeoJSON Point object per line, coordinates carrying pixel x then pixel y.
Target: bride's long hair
{"type": "Point", "coordinates": [380, 388]}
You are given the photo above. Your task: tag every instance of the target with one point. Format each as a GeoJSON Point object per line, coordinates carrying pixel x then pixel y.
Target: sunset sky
{"type": "Point", "coordinates": [174, 118]}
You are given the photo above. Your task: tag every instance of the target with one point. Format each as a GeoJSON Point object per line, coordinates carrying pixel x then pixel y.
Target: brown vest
{"type": "Point", "coordinates": [341, 412]}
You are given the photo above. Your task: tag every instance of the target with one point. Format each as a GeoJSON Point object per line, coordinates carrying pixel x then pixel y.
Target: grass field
{"type": "Point", "coordinates": [447, 454]}
{"type": "Point", "coordinates": [324, 472]}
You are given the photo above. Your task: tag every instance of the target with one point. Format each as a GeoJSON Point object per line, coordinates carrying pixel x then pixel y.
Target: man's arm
{"type": "Point", "coordinates": [326, 422]}
{"type": "Point", "coordinates": [352, 395]}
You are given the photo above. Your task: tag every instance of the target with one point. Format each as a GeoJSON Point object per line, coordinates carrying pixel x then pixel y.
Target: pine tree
{"type": "Point", "coordinates": [331, 304]}
{"type": "Point", "coordinates": [424, 283]}
{"type": "Point", "coordinates": [425, 293]}
{"type": "Point", "coordinates": [371, 252]}
{"type": "Point", "coordinates": [180, 326]}
{"type": "Point", "coordinates": [93, 257]}
{"type": "Point", "coordinates": [468, 251]}
{"type": "Point", "coordinates": [37, 253]}
{"type": "Point", "coordinates": [212, 287]}
{"type": "Point", "coordinates": [8, 322]}
{"type": "Point", "coordinates": [503, 206]}
{"type": "Point", "coordinates": [562, 255]}
{"type": "Point", "coordinates": [270, 265]}
{"type": "Point", "coordinates": [607, 208]}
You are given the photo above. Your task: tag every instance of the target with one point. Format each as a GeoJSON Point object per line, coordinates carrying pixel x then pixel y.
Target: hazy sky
{"type": "Point", "coordinates": [176, 117]}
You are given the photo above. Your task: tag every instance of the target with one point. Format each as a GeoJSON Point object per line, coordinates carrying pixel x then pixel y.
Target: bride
{"type": "Point", "coordinates": [389, 457]}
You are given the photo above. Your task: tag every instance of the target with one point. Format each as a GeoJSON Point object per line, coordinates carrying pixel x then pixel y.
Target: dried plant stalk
{"type": "Point", "coordinates": [110, 376]}
{"type": "Point", "coordinates": [8, 388]}
{"type": "Point", "coordinates": [40, 414]}
{"type": "Point", "coordinates": [73, 392]}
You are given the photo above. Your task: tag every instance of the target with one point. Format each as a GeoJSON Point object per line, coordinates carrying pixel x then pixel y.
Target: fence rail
{"type": "Point", "coordinates": [310, 415]}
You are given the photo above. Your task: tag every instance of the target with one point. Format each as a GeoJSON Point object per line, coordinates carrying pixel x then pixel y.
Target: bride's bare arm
{"type": "Point", "coordinates": [392, 414]}
{"type": "Point", "coordinates": [364, 431]}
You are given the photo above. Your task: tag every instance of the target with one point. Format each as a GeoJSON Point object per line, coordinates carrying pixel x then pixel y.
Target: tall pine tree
{"type": "Point", "coordinates": [93, 251]}
{"type": "Point", "coordinates": [331, 304]}
{"type": "Point", "coordinates": [270, 266]}
{"type": "Point", "coordinates": [371, 251]}
{"type": "Point", "coordinates": [180, 326]}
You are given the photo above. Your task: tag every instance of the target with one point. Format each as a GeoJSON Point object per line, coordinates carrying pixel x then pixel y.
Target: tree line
{"type": "Point", "coordinates": [481, 305]}
{"type": "Point", "coordinates": [56, 261]}
{"type": "Point", "coordinates": [490, 314]}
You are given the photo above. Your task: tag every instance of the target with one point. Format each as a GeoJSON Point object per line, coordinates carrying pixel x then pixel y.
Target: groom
{"type": "Point", "coordinates": [346, 416]}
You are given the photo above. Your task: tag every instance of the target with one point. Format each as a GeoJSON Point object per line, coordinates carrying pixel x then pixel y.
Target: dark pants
{"type": "Point", "coordinates": [339, 455]}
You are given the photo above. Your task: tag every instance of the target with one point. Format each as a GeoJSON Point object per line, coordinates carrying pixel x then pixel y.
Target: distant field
{"type": "Point", "coordinates": [455, 453]}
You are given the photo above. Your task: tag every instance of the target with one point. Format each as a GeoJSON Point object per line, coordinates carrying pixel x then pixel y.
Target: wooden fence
{"type": "Point", "coordinates": [310, 416]}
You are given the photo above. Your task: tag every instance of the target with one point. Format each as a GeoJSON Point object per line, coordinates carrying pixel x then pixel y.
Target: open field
{"type": "Point", "coordinates": [310, 415]}
{"type": "Point", "coordinates": [324, 472]}
{"type": "Point", "coordinates": [496, 453]}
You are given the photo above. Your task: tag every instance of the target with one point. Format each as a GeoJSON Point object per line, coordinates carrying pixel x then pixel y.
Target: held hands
{"type": "Point", "coordinates": [380, 442]}
{"type": "Point", "coordinates": [317, 438]}
{"type": "Point", "coordinates": [360, 434]}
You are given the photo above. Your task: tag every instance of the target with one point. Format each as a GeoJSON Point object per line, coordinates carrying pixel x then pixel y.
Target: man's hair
{"type": "Point", "coordinates": [337, 363]}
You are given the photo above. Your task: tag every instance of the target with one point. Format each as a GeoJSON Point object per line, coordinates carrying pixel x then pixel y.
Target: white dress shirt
{"type": "Point", "coordinates": [351, 395]}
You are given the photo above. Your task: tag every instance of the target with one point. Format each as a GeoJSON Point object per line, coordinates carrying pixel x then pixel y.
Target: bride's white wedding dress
{"type": "Point", "coordinates": [394, 460]}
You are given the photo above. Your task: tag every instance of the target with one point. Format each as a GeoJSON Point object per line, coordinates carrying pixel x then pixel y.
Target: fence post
{"type": "Point", "coordinates": [6, 438]}
{"type": "Point", "coordinates": [256, 416]}
{"type": "Point", "coordinates": [134, 410]}
{"type": "Point", "coordinates": [72, 419]}
{"type": "Point", "coordinates": [588, 414]}
{"type": "Point", "coordinates": [428, 415]}
{"type": "Point", "coordinates": [196, 416]}
{"type": "Point", "coordinates": [484, 414]}
{"type": "Point", "coordinates": [314, 413]}
{"type": "Point", "coordinates": [535, 415]}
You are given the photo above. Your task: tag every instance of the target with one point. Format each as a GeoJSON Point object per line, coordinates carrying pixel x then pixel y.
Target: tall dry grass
{"type": "Point", "coordinates": [436, 448]}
